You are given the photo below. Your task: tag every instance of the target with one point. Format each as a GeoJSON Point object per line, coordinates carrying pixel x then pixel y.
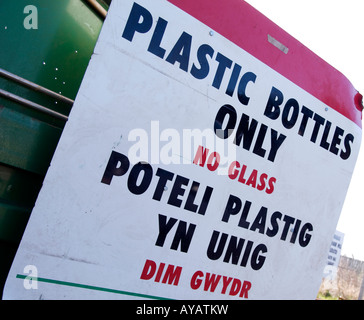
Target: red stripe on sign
{"type": "Point", "coordinates": [239, 22]}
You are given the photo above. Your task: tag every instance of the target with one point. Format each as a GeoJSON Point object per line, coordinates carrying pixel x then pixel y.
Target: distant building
{"type": "Point", "coordinates": [333, 257]}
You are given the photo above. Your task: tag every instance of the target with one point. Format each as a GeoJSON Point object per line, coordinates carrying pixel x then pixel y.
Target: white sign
{"type": "Point", "coordinates": [191, 167]}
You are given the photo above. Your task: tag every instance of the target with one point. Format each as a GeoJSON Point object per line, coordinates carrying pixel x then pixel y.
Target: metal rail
{"type": "Point", "coordinates": [32, 105]}
{"type": "Point", "coordinates": [98, 7]}
{"type": "Point", "coordinates": [26, 83]}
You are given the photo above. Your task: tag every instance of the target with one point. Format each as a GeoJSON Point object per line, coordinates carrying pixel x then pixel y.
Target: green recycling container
{"type": "Point", "coordinates": [47, 42]}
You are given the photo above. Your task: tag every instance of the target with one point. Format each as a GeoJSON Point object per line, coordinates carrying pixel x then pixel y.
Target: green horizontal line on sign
{"type": "Point", "coordinates": [85, 286]}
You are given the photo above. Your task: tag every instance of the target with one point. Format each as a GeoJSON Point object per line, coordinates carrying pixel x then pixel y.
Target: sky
{"type": "Point", "coordinates": [334, 30]}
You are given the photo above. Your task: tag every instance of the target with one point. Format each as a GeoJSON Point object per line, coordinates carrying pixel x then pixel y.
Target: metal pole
{"type": "Point", "coordinates": [34, 86]}
{"type": "Point", "coordinates": [361, 293]}
{"type": "Point", "coordinates": [98, 8]}
{"type": "Point", "coordinates": [32, 105]}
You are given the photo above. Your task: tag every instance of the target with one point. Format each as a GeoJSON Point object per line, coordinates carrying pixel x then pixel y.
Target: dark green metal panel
{"type": "Point", "coordinates": [57, 53]}
{"type": "Point", "coordinates": [55, 56]}
{"type": "Point", "coordinates": [19, 186]}
{"type": "Point", "coordinates": [26, 142]}
{"type": "Point", "coordinates": [13, 220]}
{"type": "Point", "coordinates": [7, 250]}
